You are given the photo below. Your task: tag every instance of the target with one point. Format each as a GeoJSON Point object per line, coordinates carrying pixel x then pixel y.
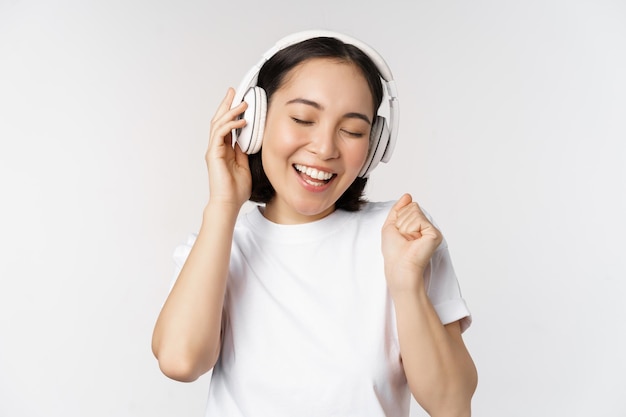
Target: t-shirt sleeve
{"type": "Point", "coordinates": [444, 291]}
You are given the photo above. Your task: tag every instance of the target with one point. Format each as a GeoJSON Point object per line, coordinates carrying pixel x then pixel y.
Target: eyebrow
{"type": "Point", "coordinates": [351, 115]}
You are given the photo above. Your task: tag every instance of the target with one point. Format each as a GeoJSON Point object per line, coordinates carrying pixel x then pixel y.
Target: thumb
{"type": "Point", "coordinates": [393, 212]}
{"type": "Point", "coordinates": [241, 157]}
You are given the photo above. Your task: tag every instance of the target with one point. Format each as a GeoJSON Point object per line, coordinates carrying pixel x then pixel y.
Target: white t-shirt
{"type": "Point", "coordinates": [309, 324]}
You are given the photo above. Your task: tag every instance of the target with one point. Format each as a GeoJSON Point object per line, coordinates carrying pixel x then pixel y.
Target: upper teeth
{"type": "Point", "coordinates": [313, 173]}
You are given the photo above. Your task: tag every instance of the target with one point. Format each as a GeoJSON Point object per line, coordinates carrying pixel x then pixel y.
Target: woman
{"type": "Point", "coordinates": [294, 306]}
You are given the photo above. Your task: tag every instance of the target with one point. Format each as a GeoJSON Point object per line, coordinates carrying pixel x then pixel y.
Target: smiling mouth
{"type": "Point", "coordinates": [314, 176]}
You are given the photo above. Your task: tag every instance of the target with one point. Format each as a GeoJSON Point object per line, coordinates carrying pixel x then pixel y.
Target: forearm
{"type": "Point", "coordinates": [439, 369]}
{"type": "Point", "coordinates": [186, 338]}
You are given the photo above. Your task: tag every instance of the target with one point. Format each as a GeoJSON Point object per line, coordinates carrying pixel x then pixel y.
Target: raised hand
{"type": "Point", "coordinates": [230, 181]}
{"type": "Point", "coordinates": [409, 240]}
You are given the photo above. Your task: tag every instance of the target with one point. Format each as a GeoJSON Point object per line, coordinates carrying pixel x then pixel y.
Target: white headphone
{"type": "Point", "coordinates": [250, 137]}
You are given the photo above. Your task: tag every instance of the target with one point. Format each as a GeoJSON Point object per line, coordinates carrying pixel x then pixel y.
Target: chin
{"type": "Point", "coordinates": [313, 210]}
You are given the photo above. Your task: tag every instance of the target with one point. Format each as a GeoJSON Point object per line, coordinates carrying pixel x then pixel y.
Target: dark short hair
{"type": "Point", "coordinates": [271, 78]}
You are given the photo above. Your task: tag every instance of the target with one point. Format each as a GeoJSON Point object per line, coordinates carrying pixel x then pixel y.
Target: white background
{"type": "Point", "coordinates": [513, 124]}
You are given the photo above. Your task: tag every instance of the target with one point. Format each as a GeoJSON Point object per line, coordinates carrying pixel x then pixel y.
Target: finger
{"type": "Point", "coordinates": [416, 225]}
{"type": "Point", "coordinates": [226, 105]}
{"type": "Point", "coordinates": [412, 222]}
{"type": "Point", "coordinates": [227, 101]}
{"type": "Point", "coordinates": [409, 214]}
{"type": "Point", "coordinates": [403, 201]}
{"type": "Point", "coordinates": [241, 157]}
{"type": "Point", "coordinates": [223, 106]}
{"type": "Point", "coordinates": [393, 212]}
{"type": "Point", "coordinates": [223, 116]}
{"type": "Point", "coordinates": [221, 135]}
{"type": "Point", "coordinates": [409, 223]}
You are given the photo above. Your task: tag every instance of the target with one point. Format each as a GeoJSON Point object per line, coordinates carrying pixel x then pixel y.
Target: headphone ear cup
{"type": "Point", "coordinates": [379, 139]}
{"type": "Point", "coordinates": [250, 137]}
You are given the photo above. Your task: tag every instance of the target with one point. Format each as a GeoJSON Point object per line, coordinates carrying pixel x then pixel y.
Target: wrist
{"type": "Point", "coordinates": [222, 206]}
{"type": "Point", "coordinates": [221, 212]}
{"type": "Point", "coordinates": [404, 277]}
{"type": "Point", "coordinates": [410, 291]}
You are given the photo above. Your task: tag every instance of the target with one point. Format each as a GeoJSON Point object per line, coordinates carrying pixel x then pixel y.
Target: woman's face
{"type": "Point", "coordinates": [316, 138]}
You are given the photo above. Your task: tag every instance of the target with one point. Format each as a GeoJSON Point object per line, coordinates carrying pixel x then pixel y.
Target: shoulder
{"type": "Point", "coordinates": [377, 206]}
{"type": "Point", "coordinates": [380, 209]}
{"type": "Point", "coordinates": [377, 212]}
{"type": "Point", "coordinates": [373, 208]}
{"type": "Point", "coordinates": [372, 215]}
{"type": "Point", "coordinates": [376, 209]}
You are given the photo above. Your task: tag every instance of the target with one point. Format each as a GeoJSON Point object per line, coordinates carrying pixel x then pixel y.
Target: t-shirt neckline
{"type": "Point", "coordinates": [286, 233]}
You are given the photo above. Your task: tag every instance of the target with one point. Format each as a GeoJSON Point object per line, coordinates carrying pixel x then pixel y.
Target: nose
{"type": "Point", "coordinates": [324, 143]}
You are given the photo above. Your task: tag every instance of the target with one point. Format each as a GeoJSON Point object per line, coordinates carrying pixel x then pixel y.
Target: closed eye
{"type": "Point", "coordinates": [302, 122]}
{"type": "Point", "coordinates": [353, 134]}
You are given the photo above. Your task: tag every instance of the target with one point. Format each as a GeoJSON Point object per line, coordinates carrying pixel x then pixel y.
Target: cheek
{"type": "Point", "coordinates": [279, 135]}
{"type": "Point", "coordinates": [278, 146]}
{"type": "Point", "coordinates": [357, 153]}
